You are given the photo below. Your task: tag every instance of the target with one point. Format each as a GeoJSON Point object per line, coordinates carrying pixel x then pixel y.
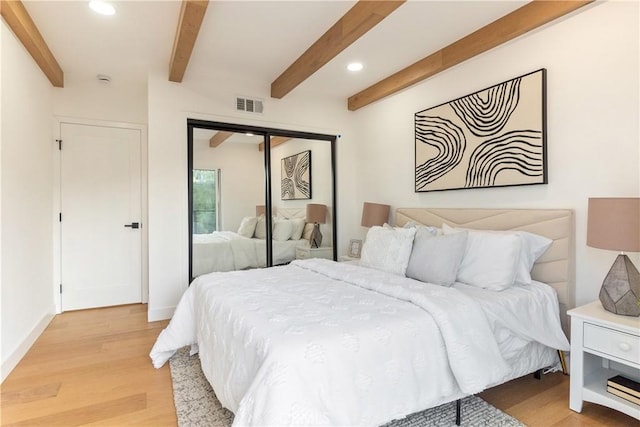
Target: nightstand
{"type": "Point", "coordinates": [603, 345]}
{"type": "Point", "coordinates": [347, 258]}
{"type": "Point", "coordinates": [305, 252]}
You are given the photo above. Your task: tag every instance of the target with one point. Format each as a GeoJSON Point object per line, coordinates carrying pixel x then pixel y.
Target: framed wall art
{"type": "Point", "coordinates": [495, 137]}
{"type": "Point", "coordinates": [295, 178]}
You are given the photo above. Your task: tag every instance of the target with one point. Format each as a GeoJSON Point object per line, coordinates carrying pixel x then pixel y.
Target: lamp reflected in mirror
{"type": "Point", "coordinates": [316, 214]}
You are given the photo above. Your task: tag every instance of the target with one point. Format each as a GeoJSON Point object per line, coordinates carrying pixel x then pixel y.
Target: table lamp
{"type": "Point", "coordinates": [316, 214]}
{"type": "Point", "coordinates": [374, 214]}
{"type": "Point", "coordinates": [614, 224]}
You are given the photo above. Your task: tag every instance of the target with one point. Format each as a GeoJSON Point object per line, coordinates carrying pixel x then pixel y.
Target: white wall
{"type": "Point", "coordinates": [170, 105]}
{"type": "Point", "coordinates": [241, 167]}
{"type": "Point", "coordinates": [87, 98]}
{"type": "Point", "coordinates": [593, 132]}
{"type": "Point", "coordinates": [27, 200]}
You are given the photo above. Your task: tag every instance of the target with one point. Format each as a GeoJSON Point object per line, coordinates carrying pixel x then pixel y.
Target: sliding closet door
{"type": "Point", "coordinates": [243, 182]}
{"type": "Point", "coordinates": [302, 178]}
{"type": "Point", "coordinates": [227, 187]}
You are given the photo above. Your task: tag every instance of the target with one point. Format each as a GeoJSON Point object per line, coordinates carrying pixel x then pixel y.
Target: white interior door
{"type": "Point", "coordinates": [100, 205]}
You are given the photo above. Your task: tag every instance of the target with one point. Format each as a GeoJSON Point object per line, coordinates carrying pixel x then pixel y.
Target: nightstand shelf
{"type": "Point", "coordinates": [603, 345]}
{"type": "Point", "coordinates": [595, 390]}
{"type": "Point", "coordinates": [306, 252]}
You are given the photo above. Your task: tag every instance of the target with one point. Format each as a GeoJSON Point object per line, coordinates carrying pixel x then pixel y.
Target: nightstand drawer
{"type": "Point", "coordinates": [614, 343]}
{"type": "Point", "coordinates": [303, 252]}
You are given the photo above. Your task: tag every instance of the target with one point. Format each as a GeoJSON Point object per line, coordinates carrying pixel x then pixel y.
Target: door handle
{"type": "Point", "coordinates": [133, 225]}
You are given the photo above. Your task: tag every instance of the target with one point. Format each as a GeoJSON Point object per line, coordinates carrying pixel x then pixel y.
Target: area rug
{"type": "Point", "coordinates": [197, 405]}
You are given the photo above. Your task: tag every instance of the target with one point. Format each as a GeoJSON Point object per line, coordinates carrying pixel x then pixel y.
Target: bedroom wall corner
{"type": "Point", "coordinates": [26, 194]}
{"type": "Point", "coordinates": [593, 110]}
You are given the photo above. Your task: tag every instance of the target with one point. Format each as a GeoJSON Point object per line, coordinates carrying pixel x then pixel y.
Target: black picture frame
{"type": "Point", "coordinates": [295, 178]}
{"type": "Point", "coordinates": [495, 137]}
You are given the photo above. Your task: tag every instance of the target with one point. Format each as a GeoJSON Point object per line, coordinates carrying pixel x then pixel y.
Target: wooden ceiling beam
{"type": "Point", "coordinates": [220, 137]}
{"type": "Point", "coordinates": [20, 22]}
{"type": "Point", "coordinates": [362, 17]}
{"type": "Point", "coordinates": [275, 141]}
{"type": "Point", "coordinates": [189, 23]}
{"type": "Point", "coordinates": [522, 20]}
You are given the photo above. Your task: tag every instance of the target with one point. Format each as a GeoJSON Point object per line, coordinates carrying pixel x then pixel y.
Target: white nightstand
{"type": "Point", "coordinates": [305, 252]}
{"type": "Point", "coordinates": [603, 345]}
{"type": "Point", "coordinates": [347, 258]}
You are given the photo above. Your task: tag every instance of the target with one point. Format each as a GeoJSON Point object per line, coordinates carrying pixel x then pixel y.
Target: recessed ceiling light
{"type": "Point", "coordinates": [102, 7]}
{"type": "Point", "coordinates": [355, 66]}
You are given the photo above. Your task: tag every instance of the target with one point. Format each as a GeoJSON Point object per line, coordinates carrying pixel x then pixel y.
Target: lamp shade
{"type": "Point", "coordinates": [374, 214]}
{"type": "Point", "coordinates": [261, 210]}
{"type": "Point", "coordinates": [316, 213]}
{"type": "Point", "coordinates": [614, 224]}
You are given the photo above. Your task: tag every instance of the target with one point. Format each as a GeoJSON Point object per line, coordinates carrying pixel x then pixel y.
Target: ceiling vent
{"type": "Point", "coordinates": [249, 105]}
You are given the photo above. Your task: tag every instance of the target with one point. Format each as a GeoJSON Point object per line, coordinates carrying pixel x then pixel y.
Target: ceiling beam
{"type": "Point", "coordinates": [362, 17]}
{"type": "Point", "coordinates": [522, 20]}
{"type": "Point", "coordinates": [191, 17]}
{"type": "Point", "coordinates": [20, 22]}
{"type": "Point", "coordinates": [275, 141]}
{"type": "Point", "coordinates": [220, 137]}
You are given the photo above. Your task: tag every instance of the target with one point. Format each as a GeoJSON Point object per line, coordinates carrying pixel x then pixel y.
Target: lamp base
{"type": "Point", "coordinates": [316, 237]}
{"type": "Point", "coordinates": [620, 292]}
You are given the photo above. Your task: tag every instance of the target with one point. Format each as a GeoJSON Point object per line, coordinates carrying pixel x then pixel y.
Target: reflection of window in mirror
{"type": "Point", "coordinates": [206, 196]}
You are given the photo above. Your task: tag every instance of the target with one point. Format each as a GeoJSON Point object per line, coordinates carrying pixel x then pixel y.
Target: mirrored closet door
{"type": "Point", "coordinates": [258, 197]}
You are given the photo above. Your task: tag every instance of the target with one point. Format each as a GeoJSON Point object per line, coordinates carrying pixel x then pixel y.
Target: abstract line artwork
{"type": "Point", "coordinates": [495, 137]}
{"type": "Point", "coordinates": [296, 176]}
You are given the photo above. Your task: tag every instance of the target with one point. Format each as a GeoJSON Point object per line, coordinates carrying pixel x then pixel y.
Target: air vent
{"type": "Point", "coordinates": [249, 105]}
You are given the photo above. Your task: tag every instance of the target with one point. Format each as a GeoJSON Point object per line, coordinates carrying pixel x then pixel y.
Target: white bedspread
{"type": "Point", "coordinates": [229, 251]}
{"type": "Point", "coordinates": [324, 343]}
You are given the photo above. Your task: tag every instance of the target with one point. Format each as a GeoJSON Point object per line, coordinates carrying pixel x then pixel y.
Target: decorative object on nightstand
{"type": "Point", "coordinates": [355, 246]}
{"type": "Point", "coordinates": [603, 346]}
{"type": "Point", "coordinates": [374, 214]}
{"type": "Point", "coordinates": [614, 224]}
{"type": "Point", "coordinates": [316, 214]}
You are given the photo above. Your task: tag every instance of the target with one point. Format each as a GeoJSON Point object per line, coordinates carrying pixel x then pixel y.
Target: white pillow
{"type": "Point", "coordinates": [282, 229]}
{"type": "Point", "coordinates": [436, 259]}
{"type": "Point", "coordinates": [248, 226]}
{"type": "Point", "coordinates": [261, 228]}
{"type": "Point", "coordinates": [434, 231]}
{"type": "Point", "coordinates": [490, 259]}
{"type": "Point", "coordinates": [298, 228]}
{"type": "Point", "coordinates": [388, 249]}
{"type": "Point", "coordinates": [532, 248]}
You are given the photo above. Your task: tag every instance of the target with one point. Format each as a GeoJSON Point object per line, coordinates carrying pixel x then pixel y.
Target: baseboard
{"type": "Point", "coordinates": [164, 313]}
{"type": "Point", "coordinates": [15, 357]}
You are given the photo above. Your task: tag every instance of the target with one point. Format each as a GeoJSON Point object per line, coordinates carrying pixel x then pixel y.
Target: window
{"type": "Point", "coordinates": [205, 200]}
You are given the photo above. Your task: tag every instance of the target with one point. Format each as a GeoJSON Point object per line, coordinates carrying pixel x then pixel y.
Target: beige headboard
{"type": "Point", "coordinates": [556, 267]}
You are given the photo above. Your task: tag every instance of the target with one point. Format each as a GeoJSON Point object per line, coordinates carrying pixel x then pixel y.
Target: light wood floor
{"type": "Point", "coordinates": [92, 368]}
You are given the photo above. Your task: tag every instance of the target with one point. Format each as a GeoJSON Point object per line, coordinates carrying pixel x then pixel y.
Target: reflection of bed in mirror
{"type": "Point", "coordinates": [228, 250]}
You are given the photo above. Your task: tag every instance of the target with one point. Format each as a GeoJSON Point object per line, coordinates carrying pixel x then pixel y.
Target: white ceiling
{"type": "Point", "coordinates": [257, 39]}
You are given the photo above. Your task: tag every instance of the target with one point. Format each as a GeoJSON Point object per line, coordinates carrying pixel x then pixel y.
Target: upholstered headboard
{"type": "Point", "coordinates": [555, 267]}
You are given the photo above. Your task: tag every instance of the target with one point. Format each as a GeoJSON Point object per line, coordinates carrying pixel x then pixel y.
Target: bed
{"type": "Point", "coordinates": [222, 251]}
{"type": "Point", "coordinates": [324, 343]}
{"type": "Point", "coordinates": [228, 251]}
